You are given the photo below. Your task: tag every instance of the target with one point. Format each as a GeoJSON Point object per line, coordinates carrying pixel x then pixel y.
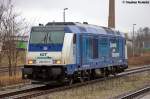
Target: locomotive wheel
{"type": "Point", "coordinates": [114, 71]}
{"type": "Point", "coordinates": [70, 82]}
{"type": "Point", "coordinates": [83, 76]}
{"type": "Point", "coordinates": [88, 78]}
{"type": "Point", "coordinates": [92, 74]}
{"type": "Point", "coordinates": [106, 72]}
{"type": "Point", "coordinates": [81, 79]}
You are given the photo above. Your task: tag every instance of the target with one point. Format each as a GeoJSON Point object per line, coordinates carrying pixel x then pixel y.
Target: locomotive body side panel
{"type": "Point", "coordinates": [98, 51]}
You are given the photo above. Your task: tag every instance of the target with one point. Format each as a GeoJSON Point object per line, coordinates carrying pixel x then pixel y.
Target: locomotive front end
{"type": "Point", "coordinates": [45, 59]}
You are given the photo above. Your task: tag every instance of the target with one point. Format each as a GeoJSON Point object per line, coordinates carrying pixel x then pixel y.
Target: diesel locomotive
{"type": "Point", "coordinates": [68, 51]}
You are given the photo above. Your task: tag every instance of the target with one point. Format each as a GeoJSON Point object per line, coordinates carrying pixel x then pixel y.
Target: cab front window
{"type": "Point", "coordinates": [46, 37]}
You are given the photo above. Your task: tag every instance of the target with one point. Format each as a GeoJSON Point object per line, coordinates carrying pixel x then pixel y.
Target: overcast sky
{"type": "Point", "coordinates": [91, 11]}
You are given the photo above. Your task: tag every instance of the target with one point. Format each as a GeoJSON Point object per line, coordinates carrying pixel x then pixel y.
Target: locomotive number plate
{"type": "Point", "coordinates": [45, 61]}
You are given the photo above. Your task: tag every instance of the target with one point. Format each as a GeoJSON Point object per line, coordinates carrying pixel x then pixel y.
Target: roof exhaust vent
{"type": "Point", "coordinates": [41, 24]}
{"type": "Point", "coordinates": [85, 22]}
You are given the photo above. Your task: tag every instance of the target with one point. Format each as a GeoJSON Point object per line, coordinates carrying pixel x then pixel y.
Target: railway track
{"type": "Point", "coordinates": [33, 92]}
{"type": "Point", "coordinates": [134, 94]}
{"type": "Point", "coordinates": [138, 67]}
{"type": "Point", "coordinates": [6, 69]}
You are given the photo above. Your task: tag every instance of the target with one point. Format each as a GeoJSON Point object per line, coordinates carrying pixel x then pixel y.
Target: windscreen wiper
{"type": "Point", "coordinates": [45, 38]}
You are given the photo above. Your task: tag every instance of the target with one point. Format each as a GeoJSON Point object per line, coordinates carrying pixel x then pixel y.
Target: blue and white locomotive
{"type": "Point", "coordinates": [70, 51]}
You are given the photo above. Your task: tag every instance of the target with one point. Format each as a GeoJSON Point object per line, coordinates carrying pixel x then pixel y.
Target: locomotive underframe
{"type": "Point", "coordinates": [59, 73]}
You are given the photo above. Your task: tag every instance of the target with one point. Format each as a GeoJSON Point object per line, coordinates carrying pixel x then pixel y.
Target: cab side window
{"type": "Point", "coordinates": [74, 39]}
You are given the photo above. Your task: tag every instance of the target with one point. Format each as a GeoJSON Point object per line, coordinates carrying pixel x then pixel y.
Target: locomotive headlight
{"type": "Point", "coordinates": [58, 61]}
{"type": "Point", "coordinates": [31, 61]}
{"type": "Point", "coordinates": [25, 76]}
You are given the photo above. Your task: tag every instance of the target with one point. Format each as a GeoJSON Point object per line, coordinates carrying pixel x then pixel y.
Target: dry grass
{"type": "Point", "coordinates": [140, 60]}
{"type": "Point", "coordinates": [103, 90]}
{"type": "Point", "coordinates": [6, 80]}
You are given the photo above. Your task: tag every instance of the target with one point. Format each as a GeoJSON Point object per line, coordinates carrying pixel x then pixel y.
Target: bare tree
{"type": "Point", "coordinates": [2, 12]}
{"type": "Point", "coordinates": [9, 32]}
{"type": "Point", "coordinates": [142, 40]}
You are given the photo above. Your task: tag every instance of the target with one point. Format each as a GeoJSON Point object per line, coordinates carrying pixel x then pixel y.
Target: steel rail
{"type": "Point", "coordinates": [2, 67]}
{"type": "Point", "coordinates": [138, 67]}
{"type": "Point", "coordinates": [29, 89]}
{"type": "Point", "coordinates": [34, 93]}
{"type": "Point", "coordinates": [6, 69]}
{"type": "Point", "coordinates": [134, 94]}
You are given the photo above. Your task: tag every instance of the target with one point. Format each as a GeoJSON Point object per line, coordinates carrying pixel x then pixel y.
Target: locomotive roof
{"type": "Point", "coordinates": [76, 27]}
